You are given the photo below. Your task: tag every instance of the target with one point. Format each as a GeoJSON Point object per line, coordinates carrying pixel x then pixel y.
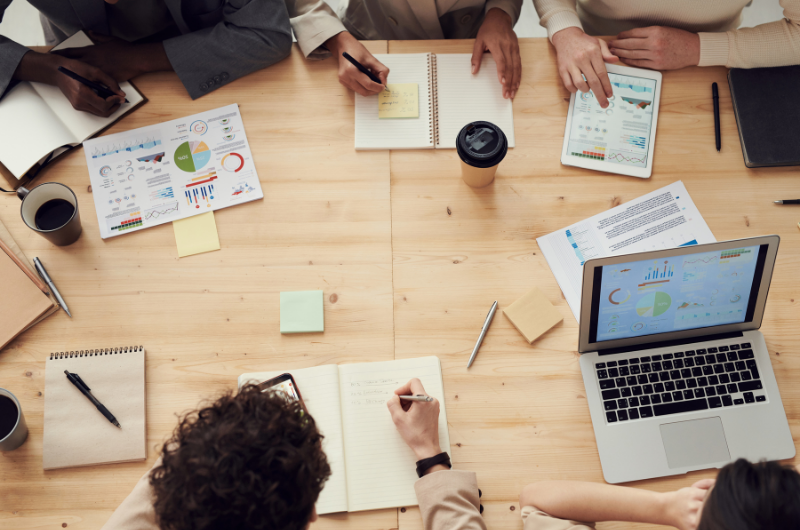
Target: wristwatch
{"type": "Point", "coordinates": [427, 463]}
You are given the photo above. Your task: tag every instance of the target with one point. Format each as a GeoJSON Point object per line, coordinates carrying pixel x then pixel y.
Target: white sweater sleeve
{"type": "Point", "coordinates": [556, 15]}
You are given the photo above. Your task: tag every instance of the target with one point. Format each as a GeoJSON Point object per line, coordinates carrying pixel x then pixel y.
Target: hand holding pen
{"type": "Point", "coordinates": [370, 78]}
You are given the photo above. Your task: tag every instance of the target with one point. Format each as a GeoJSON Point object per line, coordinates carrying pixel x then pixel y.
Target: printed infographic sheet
{"type": "Point", "coordinates": [665, 218]}
{"type": "Point", "coordinates": [173, 170]}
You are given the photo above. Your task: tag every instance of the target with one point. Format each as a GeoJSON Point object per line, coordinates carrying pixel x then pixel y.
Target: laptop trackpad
{"type": "Point", "coordinates": [694, 442]}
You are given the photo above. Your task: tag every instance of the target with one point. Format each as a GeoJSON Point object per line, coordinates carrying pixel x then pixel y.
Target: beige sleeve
{"type": "Point", "coordinates": [313, 22]}
{"type": "Point", "coordinates": [556, 15]}
{"type": "Point", "coordinates": [512, 7]}
{"type": "Point", "coordinates": [448, 500]}
{"type": "Point", "coordinates": [772, 44]}
{"type": "Point", "coordinates": [136, 511]}
{"type": "Point", "coordinates": [535, 519]}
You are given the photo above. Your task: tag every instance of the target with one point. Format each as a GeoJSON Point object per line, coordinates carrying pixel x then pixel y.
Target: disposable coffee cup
{"type": "Point", "coordinates": [481, 146]}
{"type": "Point", "coordinates": [51, 209]}
{"type": "Point", "coordinates": [13, 429]}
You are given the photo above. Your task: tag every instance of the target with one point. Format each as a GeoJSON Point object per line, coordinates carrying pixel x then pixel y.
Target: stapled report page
{"type": "Point", "coordinates": [373, 132]}
{"type": "Point", "coordinates": [464, 98]}
{"type": "Point", "coordinates": [380, 467]}
{"type": "Point", "coordinates": [319, 388]}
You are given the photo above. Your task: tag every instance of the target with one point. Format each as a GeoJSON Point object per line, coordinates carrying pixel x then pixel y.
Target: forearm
{"type": "Point", "coordinates": [587, 501]}
{"type": "Point", "coordinates": [152, 58]}
{"type": "Point", "coordinates": [556, 15]}
{"type": "Point", "coordinates": [38, 67]}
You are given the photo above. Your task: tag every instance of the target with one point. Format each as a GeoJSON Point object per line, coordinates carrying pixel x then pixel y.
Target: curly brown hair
{"type": "Point", "coordinates": [251, 461]}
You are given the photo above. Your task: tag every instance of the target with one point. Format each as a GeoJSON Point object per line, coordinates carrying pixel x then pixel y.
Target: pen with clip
{"type": "Point", "coordinates": [37, 264]}
{"type": "Point", "coordinates": [100, 90]}
{"type": "Point", "coordinates": [76, 380]}
{"type": "Point", "coordinates": [417, 397]}
{"type": "Point", "coordinates": [485, 328]}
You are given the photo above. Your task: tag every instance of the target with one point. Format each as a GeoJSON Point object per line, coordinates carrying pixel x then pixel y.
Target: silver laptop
{"type": "Point", "coordinates": [678, 377]}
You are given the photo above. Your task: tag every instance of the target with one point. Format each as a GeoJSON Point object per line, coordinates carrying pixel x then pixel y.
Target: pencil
{"type": "Point", "coordinates": [39, 283]}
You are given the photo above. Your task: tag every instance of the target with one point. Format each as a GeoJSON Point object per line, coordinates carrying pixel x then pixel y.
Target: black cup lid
{"type": "Point", "coordinates": [482, 143]}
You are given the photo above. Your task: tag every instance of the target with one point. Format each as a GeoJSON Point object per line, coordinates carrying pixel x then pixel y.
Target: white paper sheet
{"type": "Point", "coordinates": [173, 170]}
{"type": "Point", "coordinates": [665, 218]}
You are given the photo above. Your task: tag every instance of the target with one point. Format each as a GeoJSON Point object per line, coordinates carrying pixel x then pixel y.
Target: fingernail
{"type": "Point", "coordinates": [473, 68]}
{"type": "Point", "coordinates": [503, 80]}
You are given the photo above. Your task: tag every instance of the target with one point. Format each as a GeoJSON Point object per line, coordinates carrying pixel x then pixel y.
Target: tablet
{"type": "Point", "coordinates": [619, 138]}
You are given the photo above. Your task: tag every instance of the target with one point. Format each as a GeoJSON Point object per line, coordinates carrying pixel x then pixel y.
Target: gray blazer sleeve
{"type": "Point", "coordinates": [10, 54]}
{"type": "Point", "coordinates": [252, 35]}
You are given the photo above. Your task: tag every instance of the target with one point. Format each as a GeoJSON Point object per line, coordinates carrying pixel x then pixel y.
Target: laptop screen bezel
{"type": "Point", "coordinates": [759, 293]}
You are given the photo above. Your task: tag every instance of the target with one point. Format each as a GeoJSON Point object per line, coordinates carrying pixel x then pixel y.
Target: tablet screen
{"type": "Point", "coordinates": [620, 133]}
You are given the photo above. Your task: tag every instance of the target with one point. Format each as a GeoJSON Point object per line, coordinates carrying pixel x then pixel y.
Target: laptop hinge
{"type": "Point", "coordinates": [676, 342]}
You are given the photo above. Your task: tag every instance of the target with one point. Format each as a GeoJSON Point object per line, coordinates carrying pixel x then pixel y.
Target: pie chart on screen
{"type": "Point", "coordinates": [192, 156]}
{"type": "Point", "coordinates": [232, 162]}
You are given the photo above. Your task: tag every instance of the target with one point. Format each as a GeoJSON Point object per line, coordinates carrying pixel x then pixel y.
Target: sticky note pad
{"type": "Point", "coordinates": [399, 101]}
{"type": "Point", "coordinates": [533, 315]}
{"type": "Point", "coordinates": [196, 234]}
{"type": "Point", "coordinates": [301, 312]}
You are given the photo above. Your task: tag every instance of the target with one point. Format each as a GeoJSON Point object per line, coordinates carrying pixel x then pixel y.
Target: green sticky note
{"type": "Point", "coordinates": [301, 312]}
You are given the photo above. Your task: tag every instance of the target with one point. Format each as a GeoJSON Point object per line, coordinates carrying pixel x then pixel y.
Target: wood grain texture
{"type": "Point", "coordinates": [520, 413]}
{"type": "Point", "coordinates": [409, 258]}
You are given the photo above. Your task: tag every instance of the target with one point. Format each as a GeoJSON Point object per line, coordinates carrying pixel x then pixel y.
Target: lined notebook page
{"type": "Point", "coordinates": [75, 432]}
{"type": "Point", "coordinates": [319, 387]}
{"type": "Point", "coordinates": [380, 467]}
{"type": "Point", "coordinates": [464, 98]}
{"type": "Point", "coordinates": [397, 133]}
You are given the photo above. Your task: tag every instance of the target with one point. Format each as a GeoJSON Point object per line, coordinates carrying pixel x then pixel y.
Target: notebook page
{"type": "Point", "coordinates": [464, 98]}
{"type": "Point", "coordinates": [319, 388]}
{"type": "Point", "coordinates": [381, 468]}
{"type": "Point", "coordinates": [82, 124]}
{"type": "Point", "coordinates": [75, 432]}
{"type": "Point", "coordinates": [402, 133]}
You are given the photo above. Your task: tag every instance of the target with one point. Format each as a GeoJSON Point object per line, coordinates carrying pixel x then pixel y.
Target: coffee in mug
{"type": "Point", "coordinates": [481, 146]}
{"type": "Point", "coordinates": [13, 430]}
{"type": "Point", "coordinates": [51, 209]}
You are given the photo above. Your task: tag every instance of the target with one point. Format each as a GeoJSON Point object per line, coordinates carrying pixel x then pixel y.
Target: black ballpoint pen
{"type": "Point", "coordinates": [76, 380]}
{"type": "Point", "coordinates": [715, 97]}
{"type": "Point", "coordinates": [790, 201]}
{"type": "Point", "coordinates": [101, 91]}
{"type": "Point", "coordinates": [362, 68]}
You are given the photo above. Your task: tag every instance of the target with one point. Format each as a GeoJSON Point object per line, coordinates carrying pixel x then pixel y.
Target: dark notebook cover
{"type": "Point", "coordinates": [767, 109]}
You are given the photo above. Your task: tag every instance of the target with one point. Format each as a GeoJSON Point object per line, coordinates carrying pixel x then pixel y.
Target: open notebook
{"type": "Point", "coordinates": [75, 432]}
{"type": "Point", "coordinates": [40, 119]}
{"type": "Point", "coordinates": [449, 98]}
{"type": "Point", "coordinates": [371, 466]}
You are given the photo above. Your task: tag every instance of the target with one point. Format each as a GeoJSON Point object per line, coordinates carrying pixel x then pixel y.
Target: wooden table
{"type": "Point", "coordinates": [409, 258]}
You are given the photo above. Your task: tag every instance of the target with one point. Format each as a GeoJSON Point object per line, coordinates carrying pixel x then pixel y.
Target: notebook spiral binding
{"type": "Point", "coordinates": [433, 95]}
{"type": "Point", "coordinates": [95, 353]}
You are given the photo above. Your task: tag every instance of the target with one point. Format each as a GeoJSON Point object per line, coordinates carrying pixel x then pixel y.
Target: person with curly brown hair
{"type": "Point", "coordinates": [250, 461]}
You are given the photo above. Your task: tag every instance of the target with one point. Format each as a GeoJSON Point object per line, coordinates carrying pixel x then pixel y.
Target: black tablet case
{"type": "Point", "coordinates": [766, 103]}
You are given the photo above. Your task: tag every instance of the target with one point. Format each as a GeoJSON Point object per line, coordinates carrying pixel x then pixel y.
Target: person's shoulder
{"type": "Point", "coordinates": [535, 519]}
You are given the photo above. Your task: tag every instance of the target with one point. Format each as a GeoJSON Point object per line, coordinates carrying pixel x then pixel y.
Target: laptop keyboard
{"type": "Point", "coordinates": [687, 381]}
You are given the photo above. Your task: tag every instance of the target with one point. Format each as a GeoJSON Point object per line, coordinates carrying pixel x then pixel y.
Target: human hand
{"type": "Point", "coordinates": [416, 421]}
{"type": "Point", "coordinates": [685, 506]}
{"type": "Point", "coordinates": [497, 36]}
{"type": "Point", "coordinates": [657, 47]}
{"type": "Point", "coordinates": [579, 56]}
{"type": "Point", "coordinates": [349, 75]}
{"type": "Point", "coordinates": [118, 58]}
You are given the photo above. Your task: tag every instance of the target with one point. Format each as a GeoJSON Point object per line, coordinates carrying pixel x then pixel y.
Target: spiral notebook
{"type": "Point", "coordinates": [75, 432]}
{"type": "Point", "coordinates": [449, 98]}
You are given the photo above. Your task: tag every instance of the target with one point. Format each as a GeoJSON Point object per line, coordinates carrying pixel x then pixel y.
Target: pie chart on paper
{"type": "Point", "coordinates": [192, 156]}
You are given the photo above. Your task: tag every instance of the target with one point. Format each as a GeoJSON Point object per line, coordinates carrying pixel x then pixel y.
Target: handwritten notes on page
{"type": "Point", "coordinates": [380, 466]}
{"type": "Point", "coordinates": [399, 101]}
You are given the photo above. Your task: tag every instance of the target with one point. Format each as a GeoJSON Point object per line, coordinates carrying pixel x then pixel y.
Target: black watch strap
{"type": "Point", "coordinates": [427, 463]}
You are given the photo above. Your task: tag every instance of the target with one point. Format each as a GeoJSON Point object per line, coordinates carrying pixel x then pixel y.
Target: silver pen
{"type": "Point", "coordinates": [488, 321]}
{"type": "Point", "coordinates": [418, 397]}
{"type": "Point", "coordinates": [46, 277]}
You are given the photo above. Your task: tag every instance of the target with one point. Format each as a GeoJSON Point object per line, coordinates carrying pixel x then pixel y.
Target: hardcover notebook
{"type": "Point", "coordinates": [449, 98]}
{"type": "Point", "coordinates": [45, 122]}
{"type": "Point", "coordinates": [75, 432]}
{"type": "Point", "coordinates": [768, 131]}
{"type": "Point", "coordinates": [371, 466]}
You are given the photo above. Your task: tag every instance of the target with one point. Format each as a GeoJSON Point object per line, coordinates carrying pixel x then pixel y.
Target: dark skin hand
{"type": "Point", "coordinates": [43, 68]}
{"type": "Point", "coordinates": [497, 36]}
{"type": "Point", "coordinates": [120, 59]}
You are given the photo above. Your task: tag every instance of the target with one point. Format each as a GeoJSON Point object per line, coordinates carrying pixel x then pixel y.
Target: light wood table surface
{"type": "Point", "coordinates": [409, 258]}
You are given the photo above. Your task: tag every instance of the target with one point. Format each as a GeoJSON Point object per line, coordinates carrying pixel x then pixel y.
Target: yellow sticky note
{"type": "Point", "coordinates": [399, 101]}
{"type": "Point", "coordinates": [196, 234]}
{"type": "Point", "coordinates": [533, 314]}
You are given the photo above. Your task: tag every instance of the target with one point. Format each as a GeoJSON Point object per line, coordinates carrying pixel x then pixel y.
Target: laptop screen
{"type": "Point", "coordinates": [680, 293]}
